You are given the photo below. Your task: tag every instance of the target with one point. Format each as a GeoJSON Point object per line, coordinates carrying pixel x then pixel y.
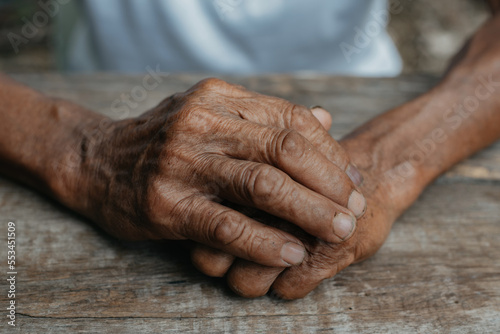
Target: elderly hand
{"type": "Point", "coordinates": [164, 174]}
{"type": "Point", "coordinates": [323, 259]}
{"type": "Point", "coordinates": [386, 199]}
{"type": "Point", "coordinates": [399, 153]}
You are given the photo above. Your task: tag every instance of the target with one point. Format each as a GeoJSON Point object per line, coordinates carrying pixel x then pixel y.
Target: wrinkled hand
{"type": "Point", "coordinates": [323, 259]}
{"type": "Point", "coordinates": [163, 175]}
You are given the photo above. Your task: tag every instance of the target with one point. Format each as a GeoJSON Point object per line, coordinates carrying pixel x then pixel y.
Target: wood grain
{"type": "Point", "coordinates": [437, 273]}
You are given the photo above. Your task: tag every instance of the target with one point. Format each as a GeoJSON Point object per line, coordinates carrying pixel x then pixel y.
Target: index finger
{"type": "Point", "coordinates": [283, 114]}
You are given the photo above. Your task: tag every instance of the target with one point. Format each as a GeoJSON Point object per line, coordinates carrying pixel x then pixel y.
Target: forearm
{"type": "Point", "coordinates": [41, 138]}
{"type": "Point", "coordinates": [412, 144]}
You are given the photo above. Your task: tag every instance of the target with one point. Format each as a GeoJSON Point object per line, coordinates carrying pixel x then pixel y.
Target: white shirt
{"type": "Point", "coordinates": [345, 37]}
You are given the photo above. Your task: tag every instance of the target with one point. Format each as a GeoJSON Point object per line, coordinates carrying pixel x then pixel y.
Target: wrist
{"type": "Point", "coordinates": [77, 134]}
{"type": "Point", "coordinates": [408, 147]}
{"type": "Point", "coordinates": [399, 153]}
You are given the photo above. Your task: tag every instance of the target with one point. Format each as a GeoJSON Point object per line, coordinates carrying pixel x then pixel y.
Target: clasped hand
{"type": "Point", "coordinates": [167, 174]}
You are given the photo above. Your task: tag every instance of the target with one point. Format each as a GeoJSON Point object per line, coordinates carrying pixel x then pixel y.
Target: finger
{"type": "Point", "coordinates": [217, 226]}
{"type": "Point", "coordinates": [270, 190]}
{"type": "Point", "coordinates": [210, 261]}
{"type": "Point", "coordinates": [297, 282]}
{"type": "Point", "coordinates": [286, 115]}
{"type": "Point", "coordinates": [251, 280]}
{"type": "Point", "coordinates": [302, 120]}
{"type": "Point", "coordinates": [293, 154]}
{"type": "Point", "coordinates": [322, 116]}
{"type": "Point", "coordinates": [283, 114]}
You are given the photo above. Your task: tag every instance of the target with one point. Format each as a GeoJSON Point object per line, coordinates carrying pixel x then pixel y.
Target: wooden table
{"type": "Point", "coordinates": [439, 271]}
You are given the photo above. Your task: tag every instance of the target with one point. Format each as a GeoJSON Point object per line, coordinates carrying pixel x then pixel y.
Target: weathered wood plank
{"type": "Point", "coordinates": [438, 271]}
{"type": "Point", "coordinates": [298, 324]}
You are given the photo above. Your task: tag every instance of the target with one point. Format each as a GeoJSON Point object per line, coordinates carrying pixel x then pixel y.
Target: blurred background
{"type": "Point", "coordinates": [426, 32]}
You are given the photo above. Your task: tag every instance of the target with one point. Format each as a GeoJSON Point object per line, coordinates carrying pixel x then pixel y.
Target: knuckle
{"type": "Point", "coordinates": [211, 84]}
{"type": "Point", "coordinates": [266, 184]}
{"type": "Point", "coordinates": [216, 88]}
{"type": "Point", "coordinates": [189, 119]}
{"type": "Point", "coordinates": [301, 118]}
{"type": "Point", "coordinates": [163, 212]}
{"type": "Point", "coordinates": [196, 119]}
{"type": "Point", "coordinates": [226, 229]}
{"type": "Point", "coordinates": [290, 144]}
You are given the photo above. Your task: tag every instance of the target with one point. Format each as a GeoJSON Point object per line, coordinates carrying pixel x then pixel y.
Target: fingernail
{"type": "Point", "coordinates": [317, 110]}
{"type": "Point", "coordinates": [343, 225]}
{"type": "Point", "coordinates": [354, 175]}
{"type": "Point", "coordinates": [292, 253]}
{"type": "Point", "coordinates": [357, 203]}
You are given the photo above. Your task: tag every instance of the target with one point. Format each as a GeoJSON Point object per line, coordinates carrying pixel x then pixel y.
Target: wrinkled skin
{"type": "Point", "coordinates": [170, 173]}
{"type": "Point", "coordinates": [163, 174]}
{"type": "Point", "coordinates": [386, 150]}
{"type": "Point", "coordinates": [323, 259]}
